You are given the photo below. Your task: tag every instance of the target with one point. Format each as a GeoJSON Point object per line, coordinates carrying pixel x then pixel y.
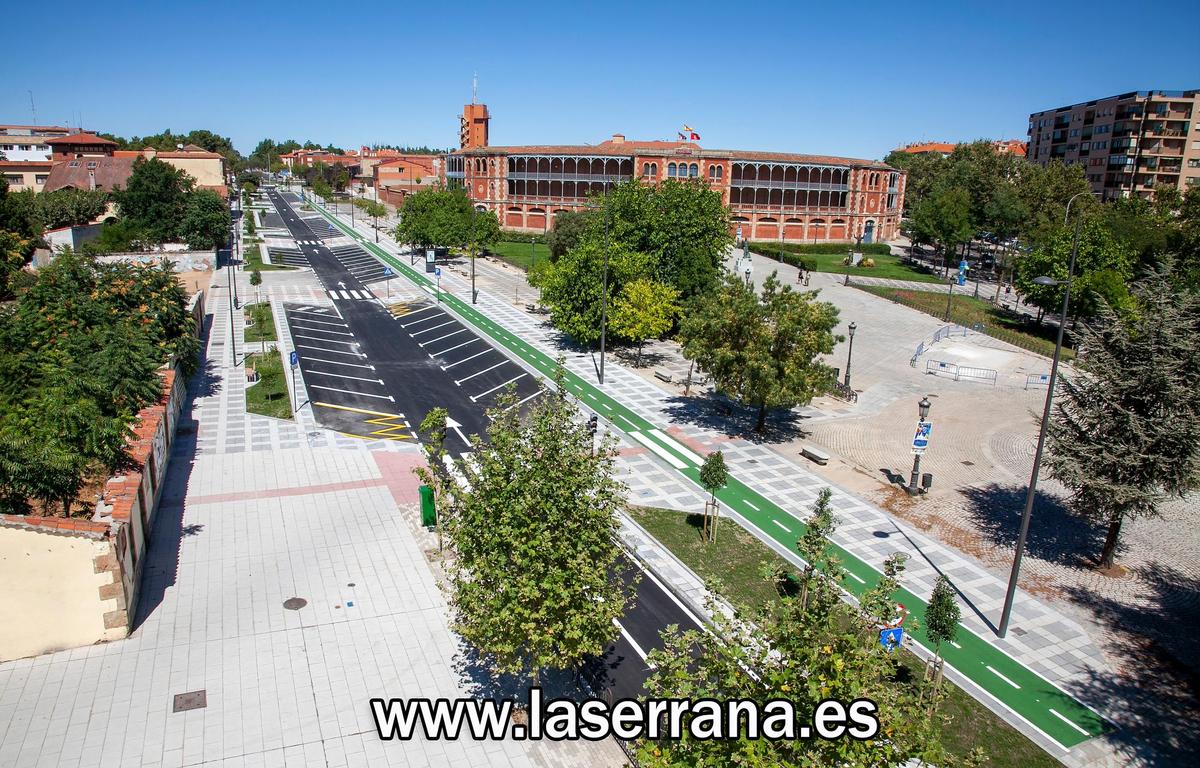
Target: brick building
{"type": "Point", "coordinates": [1127, 144]}
{"type": "Point", "coordinates": [1004, 147]}
{"type": "Point", "coordinates": [770, 195]}
{"type": "Point", "coordinates": [400, 176]}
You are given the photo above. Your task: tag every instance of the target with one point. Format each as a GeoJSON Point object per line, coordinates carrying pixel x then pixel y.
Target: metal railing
{"type": "Point", "coordinates": [1037, 380]}
{"type": "Point", "coordinates": [843, 392]}
{"type": "Point", "coordinates": [960, 372]}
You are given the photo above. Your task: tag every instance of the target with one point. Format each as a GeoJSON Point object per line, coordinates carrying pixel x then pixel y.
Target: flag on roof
{"type": "Point", "coordinates": [688, 133]}
{"type": "Point", "coordinates": [682, 136]}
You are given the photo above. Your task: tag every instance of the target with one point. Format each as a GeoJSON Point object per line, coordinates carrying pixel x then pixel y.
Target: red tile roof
{"type": "Point", "coordinates": [929, 146]}
{"type": "Point", "coordinates": [110, 172]}
{"type": "Point", "coordinates": [669, 149]}
{"type": "Point", "coordinates": [81, 138]}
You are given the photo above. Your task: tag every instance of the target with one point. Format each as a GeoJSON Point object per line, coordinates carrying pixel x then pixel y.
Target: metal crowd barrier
{"type": "Point", "coordinates": [1037, 380]}
{"type": "Point", "coordinates": [959, 372]}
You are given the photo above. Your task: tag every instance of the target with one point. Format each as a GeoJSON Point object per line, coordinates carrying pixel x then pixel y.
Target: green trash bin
{"type": "Point", "coordinates": [428, 509]}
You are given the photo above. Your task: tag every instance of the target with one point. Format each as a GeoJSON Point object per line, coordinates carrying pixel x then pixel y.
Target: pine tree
{"type": "Point", "coordinates": [1126, 430]}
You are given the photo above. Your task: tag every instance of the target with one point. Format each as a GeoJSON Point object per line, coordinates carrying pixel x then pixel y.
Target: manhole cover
{"type": "Point", "coordinates": [190, 700]}
{"type": "Point", "coordinates": [294, 603]}
{"type": "Point", "coordinates": [881, 534]}
{"type": "Point", "coordinates": [968, 463]}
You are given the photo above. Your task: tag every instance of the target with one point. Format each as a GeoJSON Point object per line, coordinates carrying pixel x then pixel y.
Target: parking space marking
{"type": "Point", "coordinates": [335, 362]}
{"type": "Point", "coordinates": [423, 319]}
{"type": "Point", "coordinates": [448, 335]}
{"type": "Point", "coordinates": [352, 392]}
{"type": "Point", "coordinates": [321, 330]}
{"type": "Point", "coordinates": [476, 398]}
{"type": "Point", "coordinates": [322, 322]}
{"type": "Point", "coordinates": [524, 400]}
{"type": "Point", "coordinates": [465, 359]}
{"type": "Point", "coordinates": [344, 376]}
{"type": "Point", "coordinates": [477, 373]}
{"type": "Point", "coordinates": [321, 338]}
{"type": "Point", "coordinates": [331, 351]}
{"type": "Point", "coordinates": [451, 349]}
{"type": "Point", "coordinates": [432, 328]}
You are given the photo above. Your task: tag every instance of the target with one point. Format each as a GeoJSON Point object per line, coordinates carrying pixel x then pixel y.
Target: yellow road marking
{"type": "Point", "coordinates": [359, 410]}
{"type": "Point", "coordinates": [394, 425]}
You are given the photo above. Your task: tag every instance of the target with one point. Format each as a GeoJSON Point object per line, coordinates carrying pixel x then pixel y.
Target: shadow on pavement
{"type": "Point", "coordinates": [1055, 535]}
{"type": "Point", "coordinates": [720, 414]}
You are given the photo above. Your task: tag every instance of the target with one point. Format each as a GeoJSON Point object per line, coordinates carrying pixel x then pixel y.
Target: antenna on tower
{"type": "Point", "coordinates": [474, 86]}
{"type": "Point", "coordinates": [33, 108]}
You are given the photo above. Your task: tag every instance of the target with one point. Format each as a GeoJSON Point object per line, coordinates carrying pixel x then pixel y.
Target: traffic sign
{"type": "Point", "coordinates": [437, 271]}
{"type": "Point", "coordinates": [891, 638]}
{"type": "Point", "coordinates": [294, 358]}
{"type": "Point", "coordinates": [387, 271]}
{"type": "Point", "coordinates": [921, 438]}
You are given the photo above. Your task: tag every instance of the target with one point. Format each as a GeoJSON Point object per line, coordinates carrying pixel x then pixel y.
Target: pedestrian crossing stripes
{"type": "Point", "coordinates": [350, 295]}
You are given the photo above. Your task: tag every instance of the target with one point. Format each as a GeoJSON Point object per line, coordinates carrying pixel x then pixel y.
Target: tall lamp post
{"type": "Point", "coordinates": [1031, 493]}
{"type": "Point", "coordinates": [604, 295]}
{"type": "Point", "coordinates": [850, 353]}
{"type": "Point", "coordinates": [923, 412]}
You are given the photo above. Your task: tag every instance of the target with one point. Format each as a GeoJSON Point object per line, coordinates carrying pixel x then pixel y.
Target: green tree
{"type": "Point", "coordinates": [573, 287]}
{"type": "Point", "coordinates": [206, 221]}
{"type": "Point", "coordinates": [923, 173]}
{"type": "Point", "coordinates": [569, 228]}
{"type": "Point", "coordinates": [1045, 192]}
{"type": "Point", "coordinates": [13, 255]}
{"type": "Point", "coordinates": [1126, 430]}
{"type": "Point", "coordinates": [1101, 268]}
{"type": "Point", "coordinates": [800, 656]}
{"type": "Point", "coordinates": [714, 475]}
{"type": "Point", "coordinates": [533, 540]}
{"type": "Point", "coordinates": [155, 199]}
{"type": "Point", "coordinates": [70, 207]}
{"type": "Point", "coordinates": [447, 218]}
{"type": "Point", "coordinates": [815, 547]}
{"type": "Point", "coordinates": [944, 217]}
{"type": "Point", "coordinates": [762, 351]}
{"type": "Point", "coordinates": [644, 310]}
{"type": "Point", "coordinates": [941, 622]}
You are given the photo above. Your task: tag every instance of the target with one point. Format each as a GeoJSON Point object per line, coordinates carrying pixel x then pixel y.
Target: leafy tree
{"type": "Point", "coordinates": [440, 217]}
{"type": "Point", "coordinates": [1045, 191]}
{"type": "Point", "coordinates": [206, 221]}
{"type": "Point", "coordinates": [375, 210]}
{"type": "Point", "coordinates": [573, 287]}
{"type": "Point", "coordinates": [944, 217]}
{"type": "Point", "coordinates": [532, 538]}
{"type": "Point", "coordinates": [924, 171]}
{"type": "Point", "coordinates": [644, 310]}
{"type": "Point", "coordinates": [119, 236]}
{"type": "Point", "coordinates": [802, 656]}
{"type": "Point", "coordinates": [569, 229]}
{"type": "Point", "coordinates": [1101, 268]}
{"type": "Point", "coordinates": [70, 207]}
{"type": "Point", "coordinates": [714, 475]}
{"type": "Point", "coordinates": [762, 351]}
{"type": "Point", "coordinates": [13, 255]}
{"type": "Point", "coordinates": [941, 622]}
{"type": "Point", "coordinates": [1126, 430]}
{"type": "Point", "coordinates": [155, 199]}
{"type": "Point", "coordinates": [816, 547]}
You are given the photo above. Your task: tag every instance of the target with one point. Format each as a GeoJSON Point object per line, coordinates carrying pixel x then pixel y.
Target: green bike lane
{"type": "Point", "coordinates": [1041, 704]}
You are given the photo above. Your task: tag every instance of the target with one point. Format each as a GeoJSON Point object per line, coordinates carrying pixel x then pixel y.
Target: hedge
{"type": "Point", "coordinates": [516, 236]}
{"type": "Point", "coordinates": [867, 249]}
{"type": "Point", "coordinates": [787, 256]}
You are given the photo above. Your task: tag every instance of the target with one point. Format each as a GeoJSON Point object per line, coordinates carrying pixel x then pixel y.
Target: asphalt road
{"type": "Point", "coordinates": [374, 370]}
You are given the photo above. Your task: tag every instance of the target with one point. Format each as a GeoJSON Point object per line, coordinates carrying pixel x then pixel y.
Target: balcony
{"type": "Point", "coordinates": [599, 178]}
{"type": "Point", "coordinates": [796, 185]}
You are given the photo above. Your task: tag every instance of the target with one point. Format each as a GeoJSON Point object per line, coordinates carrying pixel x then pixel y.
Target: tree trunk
{"type": "Point", "coordinates": [1108, 554]}
{"type": "Point", "coordinates": [762, 418]}
{"type": "Point", "coordinates": [638, 363]}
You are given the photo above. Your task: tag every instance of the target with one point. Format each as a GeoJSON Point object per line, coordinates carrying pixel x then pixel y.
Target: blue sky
{"type": "Point", "coordinates": [855, 79]}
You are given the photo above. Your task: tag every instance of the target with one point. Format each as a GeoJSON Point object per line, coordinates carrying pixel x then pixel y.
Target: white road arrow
{"type": "Point", "coordinates": [452, 424]}
{"type": "Point", "coordinates": [341, 284]}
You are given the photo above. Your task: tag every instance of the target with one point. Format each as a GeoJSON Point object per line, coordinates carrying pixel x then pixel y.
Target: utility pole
{"type": "Point", "coordinates": [471, 245]}
{"type": "Point", "coordinates": [232, 330]}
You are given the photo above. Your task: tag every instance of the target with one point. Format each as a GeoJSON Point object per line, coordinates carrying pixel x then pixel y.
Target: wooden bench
{"type": "Point", "coordinates": [815, 454]}
{"type": "Point", "coordinates": [666, 377]}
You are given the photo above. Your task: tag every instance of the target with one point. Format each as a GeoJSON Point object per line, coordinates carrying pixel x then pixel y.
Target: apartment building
{"type": "Point", "coordinates": [25, 154]}
{"type": "Point", "coordinates": [1128, 144]}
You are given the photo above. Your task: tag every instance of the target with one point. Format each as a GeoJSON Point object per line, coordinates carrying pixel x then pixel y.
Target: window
{"type": "Point", "coordinates": [41, 178]}
{"type": "Point", "coordinates": [91, 164]}
{"type": "Point", "coordinates": [1074, 132]}
{"type": "Point", "coordinates": [693, 170]}
{"type": "Point", "coordinates": [671, 170]}
{"type": "Point", "coordinates": [1193, 163]}
{"type": "Point", "coordinates": [645, 169]}
{"type": "Point", "coordinates": [73, 164]}
{"type": "Point", "coordinates": [14, 179]}
{"type": "Point", "coordinates": [720, 172]}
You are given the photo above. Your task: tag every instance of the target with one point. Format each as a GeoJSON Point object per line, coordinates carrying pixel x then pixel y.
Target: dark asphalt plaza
{"type": "Point", "coordinates": [374, 370]}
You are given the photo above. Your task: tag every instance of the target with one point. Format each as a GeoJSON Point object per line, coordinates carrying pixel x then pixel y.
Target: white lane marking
{"type": "Point", "coordinates": [675, 444]}
{"type": "Point", "coordinates": [991, 669]}
{"type": "Point", "coordinates": [322, 338]}
{"type": "Point", "coordinates": [851, 575]}
{"type": "Point", "coordinates": [422, 320]}
{"type": "Point", "coordinates": [335, 362]}
{"type": "Point", "coordinates": [332, 351]}
{"type": "Point", "coordinates": [956, 645]}
{"type": "Point", "coordinates": [465, 359]}
{"type": "Point", "coordinates": [627, 421]}
{"type": "Point", "coordinates": [522, 402]}
{"type": "Point", "coordinates": [451, 349]}
{"type": "Point", "coordinates": [629, 639]}
{"type": "Point", "coordinates": [322, 330]}
{"type": "Point", "coordinates": [781, 525]}
{"type": "Point", "coordinates": [415, 334]}
{"type": "Point", "coordinates": [321, 322]}
{"type": "Point", "coordinates": [344, 376]}
{"type": "Point", "coordinates": [751, 505]}
{"type": "Point", "coordinates": [657, 449]}
{"type": "Point", "coordinates": [1068, 722]}
{"type": "Point", "coordinates": [485, 370]}
{"type": "Point", "coordinates": [442, 338]}
{"type": "Point", "coordinates": [493, 389]}
{"type": "Point", "coordinates": [352, 392]}
{"type": "Point", "coordinates": [662, 588]}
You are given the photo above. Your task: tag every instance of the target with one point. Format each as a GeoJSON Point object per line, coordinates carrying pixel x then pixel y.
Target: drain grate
{"type": "Point", "coordinates": [190, 700]}
{"type": "Point", "coordinates": [294, 603]}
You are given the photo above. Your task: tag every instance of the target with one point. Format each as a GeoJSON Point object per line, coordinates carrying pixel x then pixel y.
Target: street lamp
{"type": "Point", "coordinates": [850, 352]}
{"type": "Point", "coordinates": [923, 412]}
{"type": "Point", "coordinates": [1030, 494]}
{"type": "Point", "coordinates": [604, 297]}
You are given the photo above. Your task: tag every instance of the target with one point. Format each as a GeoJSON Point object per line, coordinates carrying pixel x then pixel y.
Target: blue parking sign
{"type": "Point", "coordinates": [294, 358]}
{"type": "Point", "coordinates": [891, 638]}
{"type": "Point", "coordinates": [437, 271]}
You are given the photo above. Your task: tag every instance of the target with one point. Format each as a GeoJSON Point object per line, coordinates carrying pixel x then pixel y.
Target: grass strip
{"type": "Point", "coordinates": [269, 396]}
